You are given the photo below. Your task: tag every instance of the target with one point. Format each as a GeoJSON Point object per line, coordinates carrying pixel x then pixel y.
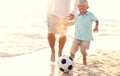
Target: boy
{"type": "Point", "coordinates": [83, 30]}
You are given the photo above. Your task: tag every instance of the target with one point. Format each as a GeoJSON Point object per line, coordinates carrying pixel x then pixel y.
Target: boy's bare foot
{"type": "Point", "coordinates": [84, 63]}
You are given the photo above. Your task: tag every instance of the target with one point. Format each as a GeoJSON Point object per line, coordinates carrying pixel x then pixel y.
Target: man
{"type": "Point", "coordinates": [57, 11]}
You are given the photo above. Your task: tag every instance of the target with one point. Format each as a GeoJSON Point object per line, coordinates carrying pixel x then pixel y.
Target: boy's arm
{"type": "Point", "coordinates": [66, 22]}
{"type": "Point", "coordinates": [96, 27]}
{"type": "Point", "coordinates": [69, 23]}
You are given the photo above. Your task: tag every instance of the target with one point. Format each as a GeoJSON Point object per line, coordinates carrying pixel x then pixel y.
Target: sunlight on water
{"type": "Point", "coordinates": [33, 12]}
{"type": "Point", "coordinates": [105, 8]}
{"type": "Point", "coordinates": [22, 12]}
{"type": "Point", "coordinates": [21, 15]}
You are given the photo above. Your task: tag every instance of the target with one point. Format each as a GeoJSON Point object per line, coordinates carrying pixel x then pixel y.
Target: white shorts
{"type": "Point", "coordinates": [82, 44]}
{"type": "Point", "coordinates": [54, 25]}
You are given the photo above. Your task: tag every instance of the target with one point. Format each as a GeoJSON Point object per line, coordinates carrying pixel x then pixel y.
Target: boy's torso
{"type": "Point", "coordinates": [83, 26]}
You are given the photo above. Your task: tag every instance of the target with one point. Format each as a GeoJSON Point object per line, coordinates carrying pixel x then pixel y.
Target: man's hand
{"type": "Point", "coordinates": [71, 16]}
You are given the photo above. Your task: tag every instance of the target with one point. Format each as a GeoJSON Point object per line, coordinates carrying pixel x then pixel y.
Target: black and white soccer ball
{"type": "Point", "coordinates": [65, 63]}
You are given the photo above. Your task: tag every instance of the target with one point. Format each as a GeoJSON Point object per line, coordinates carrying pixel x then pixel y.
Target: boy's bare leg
{"type": "Point", "coordinates": [84, 60]}
{"type": "Point", "coordinates": [72, 55]}
{"type": "Point", "coordinates": [84, 54]}
{"type": "Point", "coordinates": [51, 40]}
{"type": "Point", "coordinates": [62, 41]}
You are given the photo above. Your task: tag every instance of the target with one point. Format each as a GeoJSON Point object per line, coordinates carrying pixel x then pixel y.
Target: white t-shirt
{"type": "Point", "coordinates": [60, 8]}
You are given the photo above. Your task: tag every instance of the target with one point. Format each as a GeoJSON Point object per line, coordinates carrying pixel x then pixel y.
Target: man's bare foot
{"type": "Point", "coordinates": [59, 54]}
{"type": "Point", "coordinates": [52, 57]}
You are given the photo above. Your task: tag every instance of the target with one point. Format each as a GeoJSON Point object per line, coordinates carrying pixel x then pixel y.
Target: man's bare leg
{"type": "Point", "coordinates": [62, 41]}
{"type": "Point", "coordinates": [51, 40]}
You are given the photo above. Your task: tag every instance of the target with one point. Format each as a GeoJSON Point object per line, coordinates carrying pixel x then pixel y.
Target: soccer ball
{"type": "Point", "coordinates": [65, 63]}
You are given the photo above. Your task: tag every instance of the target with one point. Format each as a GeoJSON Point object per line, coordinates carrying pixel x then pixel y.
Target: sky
{"type": "Point", "coordinates": [30, 11]}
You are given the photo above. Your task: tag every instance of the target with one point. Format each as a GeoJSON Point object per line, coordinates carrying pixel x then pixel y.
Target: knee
{"type": "Point", "coordinates": [51, 36]}
{"type": "Point", "coordinates": [62, 39]}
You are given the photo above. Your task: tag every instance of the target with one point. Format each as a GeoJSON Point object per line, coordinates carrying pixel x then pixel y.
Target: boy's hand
{"type": "Point", "coordinates": [95, 30]}
{"type": "Point", "coordinates": [96, 27]}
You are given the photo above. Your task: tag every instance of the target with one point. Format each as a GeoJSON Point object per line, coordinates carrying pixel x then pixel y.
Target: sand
{"type": "Point", "coordinates": [24, 51]}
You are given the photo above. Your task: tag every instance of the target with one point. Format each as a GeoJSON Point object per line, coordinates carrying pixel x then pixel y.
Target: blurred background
{"type": "Point", "coordinates": [23, 26]}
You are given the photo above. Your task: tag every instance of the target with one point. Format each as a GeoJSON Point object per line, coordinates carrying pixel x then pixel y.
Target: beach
{"type": "Point", "coordinates": [23, 47]}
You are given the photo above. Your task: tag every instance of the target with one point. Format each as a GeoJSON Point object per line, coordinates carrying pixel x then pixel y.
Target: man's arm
{"type": "Point", "coordinates": [75, 7]}
{"type": "Point", "coordinates": [74, 11]}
